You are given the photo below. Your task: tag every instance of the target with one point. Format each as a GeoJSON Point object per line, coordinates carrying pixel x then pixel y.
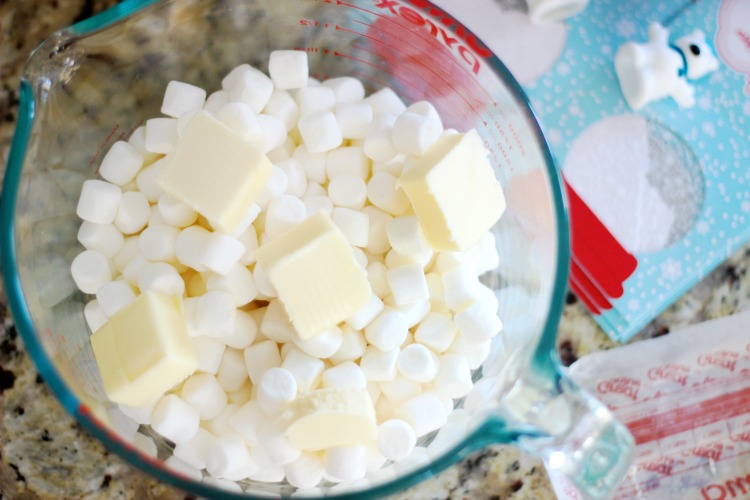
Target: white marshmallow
{"type": "Point", "coordinates": [249, 240]}
{"type": "Point", "coordinates": [138, 141]}
{"type": "Point", "coordinates": [204, 392]}
{"type": "Point", "coordinates": [121, 163]}
{"type": "Point", "coordinates": [346, 88]}
{"type": "Point", "coordinates": [210, 353]}
{"type": "Point", "coordinates": [216, 100]}
{"type": "Point", "coordinates": [346, 375]}
{"type": "Point", "coordinates": [348, 191]}
{"type": "Point", "coordinates": [188, 245]}
{"type": "Point", "coordinates": [272, 436]}
{"type": "Point", "coordinates": [313, 100]}
{"type": "Point", "coordinates": [486, 257]}
{"type": "Point", "coordinates": [416, 362]}
{"type": "Point", "coordinates": [95, 317]}
{"type": "Point", "coordinates": [133, 212]}
{"type": "Point", "coordinates": [277, 387]}
{"type": "Point", "coordinates": [460, 284]}
{"type": "Point", "coordinates": [346, 463]}
{"type": "Point", "coordinates": [181, 98]}
{"type": "Point", "coordinates": [283, 106]}
{"type": "Point", "coordinates": [425, 413]}
{"type": "Point", "coordinates": [305, 472]}
{"type": "Point", "coordinates": [353, 223]}
{"type": "Point", "coordinates": [320, 132]}
{"type": "Point", "coordinates": [414, 134]}
{"type": "Point", "coordinates": [322, 345]}
{"type": "Point", "coordinates": [273, 132]}
{"type": "Point", "coordinates": [425, 109]}
{"type": "Point", "coordinates": [269, 472]}
{"type": "Point", "coordinates": [248, 85]}
{"type": "Point", "coordinates": [161, 135]}
{"type": "Point", "coordinates": [90, 270]}
{"type": "Point", "coordinates": [232, 372]}
{"type": "Point", "coordinates": [182, 121]}
{"type": "Point", "coordinates": [413, 312]}
{"type": "Point", "coordinates": [260, 357]}
{"type": "Point", "coordinates": [477, 323]}
{"type": "Point", "coordinates": [139, 414]}
{"type": "Point", "coordinates": [214, 314]}
{"type": "Point", "coordinates": [306, 369]}
{"type": "Point", "coordinates": [354, 119]}
{"type": "Point", "coordinates": [275, 186]}
{"type": "Point", "coordinates": [241, 119]}
{"type": "Point", "coordinates": [376, 275]}
{"type": "Point", "coordinates": [114, 296]}
{"type": "Point", "coordinates": [161, 278]}
{"type": "Point", "coordinates": [400, 389]}
{"type": "Point", "coordinates": [263, 283]}
{"type": "Point", "coordinates": [437, 331]}
{"type": "Point", "coordinates": [175, 419]}
{"type": "Point", "coordinates": [276, 325]}
{"type": "Point", "coordinates": [296, 177]}
{"type": "Point", "coordinates": [228, 455]}
{"type": "Point", "coordinates": [454, 376]}
{"type": "Point", "coordinates": [128, 252]}
{"type": "Point", "coordinates": [314, 164]}
{"type": "Point", "coordinates": [353, 346]}
{"type": "Point", "coordinates": [134, 268]}
{"type": "Point", "coordinates": [406, 236]}
{"type": "Point", "coordinates": [366, 313]}
{"type": "Point", "coordinates": [360, 257]}
{"type": "Point", "coordinates": [383, 193]}
{"type": "Point", "coordinates": [157, 243]}
{"type": "Point", "coordinates": [348, 160]}
{"type": "Point", "coordinates": [98, 201]}
{"type": "Point", "coordinates": [245, 331]}
{"type": "Point", "coordinates": [147, 181]}
{"type": "Point", "coordinates": [220, 252]}
{"type": "Point", "coordinates": [288, 69]}
{"type": "Point", "coordinates": [104, 238]}
{"type": "Point", "coordinates": [246, 422]}
{"type": "Point", "coordinates": [475, 353]}
{"type": "Point", "coordinates": [386, 100]}
{"type": "Point", "coordinates": [379, 366]}
{"type": "Point", "coordinates": [378, 145]}
{"type": "Point", "coordinates": [314, 204]}
{"type": "Point", "coordinates": [394, 166]}
{"type": "Point", "coordinates": [445, 261]}
{"type": "Point", "coordinates": [396, 439]}
{"type": "Point", "coordinates": [283, 213]}
{"type": "Point", "coordinates": [377, 240]}
{"type": "Point", "coordinates": [407, 284]}
{"type": "Point", "coordinates": [195, 450]}
{"type": "Point", "coordinates": [388, 330]}
{"type": "Point", "coordinates": [436, 289]}
{"type": "Point", "coordinates": [238, 281]}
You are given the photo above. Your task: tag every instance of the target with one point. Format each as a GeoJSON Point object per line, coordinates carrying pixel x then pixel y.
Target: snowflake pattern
{"type": "Point", "coordinates": [671, 269]}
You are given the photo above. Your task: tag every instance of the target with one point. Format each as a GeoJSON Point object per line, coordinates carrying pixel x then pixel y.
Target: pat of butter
{"type": "Point", "coordinates": [330, 417]}
{"type": "Point", "coordinates": [144, 350]}
{"type": "Point", "coordinates": [314, 271]}
{"type": "Point", "coordinates": [454, 192]}
{"type": "Point", "coordinates": [216, 172]}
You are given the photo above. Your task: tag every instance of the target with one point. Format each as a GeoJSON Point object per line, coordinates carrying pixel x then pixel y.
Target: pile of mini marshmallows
{"type": "Point", "coordinates": [412, 347]}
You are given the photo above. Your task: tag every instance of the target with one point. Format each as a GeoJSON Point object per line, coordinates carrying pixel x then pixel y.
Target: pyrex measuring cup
{"type": "Point", "coordinates": [94, 83]}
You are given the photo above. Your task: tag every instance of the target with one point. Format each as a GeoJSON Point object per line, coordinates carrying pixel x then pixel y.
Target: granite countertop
{"type": "Point", "coordinates": [44, 453]}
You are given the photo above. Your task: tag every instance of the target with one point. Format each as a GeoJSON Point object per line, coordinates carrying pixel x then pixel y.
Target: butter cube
{"type": "Point", "coordinates": [454, 192]}
{"type": "Point", "coordinates": [214, 171]}
{"type": "Point", "coordinates": [144, 349]}
{"type": "Point", "coordinates": [318, 279]}
{"type": "Point", "coordinates": [323, 418]}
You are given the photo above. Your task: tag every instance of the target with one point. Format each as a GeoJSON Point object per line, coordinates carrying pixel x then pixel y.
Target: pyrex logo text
{"type": "Point", "coordinates": [738, 487]}
{"type": "Point", "coordinates": [468, 47]}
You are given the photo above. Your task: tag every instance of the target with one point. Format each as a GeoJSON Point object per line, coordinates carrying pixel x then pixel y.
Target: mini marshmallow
{"type": "Point", "coordinates": [162, 278]}
{"type": "Point", "coordinates": [248, 85]}
{"type": "Point", "coordinates": [275, 186]}
{"type": "Point", "coordinates": [376, 275]}
{"type": "Point", "coordinates": [277, 386]}
{"type": "Point", "coordinates": [394, 166]}
{"type": "Point", "coordinates": [378, 145]}
{"type": "Point", "coordinates": [244, 333]}
{"type": "Point", "coordinates": [269, 472]}
{"type": "Point", "coordinates": [182, 122]}
{"type": "Point", "coordinates": [246, 421]}
{"type": "Point", "coordinates": [425, 109]}
{"type": "Point", "coordinates": [147, 181]}
{"type": "Point", "coordinates": [475, 353]}
{"type": "Point", "coordinates": [204, 392]}
{"type": "Point", "coordinates": [314, 204]}
{"type": "Point", "coordinates": [314, 189]}
{"type": "Point", "coordinates": [161, 135]}
{"type": "Point", "coordinates": [104, 238]}
{"type": "Point", "coordinates": [435, 287]}
{"type": "Point", "coordinates": [366, 313]}
{"type": "Point", "coordinates": [346, 463]}
{"type": "Point", "coordinates": [354, 119]}
{"type": "Point", "coordinates": [273, 132]}
{"type": "Point", "coordinates": [414, 134]}
{"type": "Point", "coordinates": [379, 366]}
{"type": "Point", "coordinates": [360, 257]}
{"type": "Point", "coordinates": [134, 268]}
{"type": "Point", "coordinates": [386, 100]}
{"type": "Point", "coordinates": [288, 69]}
{"type": "Point", "coordinates": [413, 312]}
{"type": "Point", "coordinates": [195, 450]}
{"type": "Point", "coordinates": [416, 362]}
{"type": "Point", "coordinates": [99, 201]}
{"type": "Point", "coordinates": [238, 281]}
{"type": "Point", "coordinates": [305, 472]}
{"type": "Point", "coordinates": [220, 252]}
{"type": "Point", "coordinates": [214, 314]}
{"type": "Point", "coordinates": [348, 191]}
{"type": "Point", "coordinates": [436, 331]}
{"type": "Point", "coordinates": [242, 395]}
{"type": "Point", "coordinates": [353, 223]}
{"type": "Point", "coordinates": [425, 413]}
{"type": "Point", "coordinates": [400, 389]}
{"type": "Point", "coordinates": [306, 369]}
{"type": "Point", "coordinates": [296, 177]}
{"type": "Point", "coordinates": [273, 440]}
{"type": "Point", "coordinates": [114, 296]}
{"type": "Point", "coordinates": [396, 439]}
{"type": "Point", "coordinates": [314, 164]}
{"type": "Point", "coordinates": [157, 243]}
{"type": "Point", "coordinates": [346, 88]}
{"type": "Point", "coordinates": [406, 236]}
{"type": "Point", "coordinates": [249, 240]}
{"type": "Point", "coordinates": [276, 325]}
{"type": "Point", "coordinates": [138, 141]}
{"type": "Point", "coordinates": [188, 245]}
{"type": "Point", "coordinates": [95, 317]}
{"type": "Point", "coordinates": [283, 106]}
{"type": "Point", "coordinates": [322, 345]}
{"type": "Point", "coordinates": [227, 456]}
{"type": "Point", "coordinates": [345, 375]}
{"type": "Point", "coordinates": [454, 376]}
{"type": "Point", "coordinates": [90, 270]}
{"type": "Point", "coordinates": [313, 100]}
{"type": "Point", "coordinates": [133, 212]}
{"type": "Point", "coordinates": [383, 193]}
{"type": "Point", "coordinates": [121, 163]}
{"type": "Point", "coordinates": [241, 119]}
{"type": "Point", "coordinates": [283, 213]}
{"type": "Point", "coordinates": [353, 346]}
{"type": "Point", "coordinates": [232, 372]}
{"type": "Point", "coordinates": [210, 353]}
{"type": "Point", "coordinates": [348, 160]}
{"type": "Point", "coordinates": [407, 284]}
{"type": "Point", "coordinates": [216, 100]}
{"type": "Point", "coordinates": [486, 257]}
{"type": "Point", "coordinates": [320, 132]}
{"type": "Point", "coordinates": [460, 284]}
{"type": "Point", "coordinates": [388, 330]}
{"type": "Point", "coordinates": [175, 419]}
{"type": "Point", "coordinates": [264, 285]}
{"type": "Point", "coordinates": [478, 323]}
{"type": "Point", "coordinates": [377, 240]}
{"type": "Point", "coordinates": [260, 357]}
{"type": "Point", "coordinates": [128, 252]}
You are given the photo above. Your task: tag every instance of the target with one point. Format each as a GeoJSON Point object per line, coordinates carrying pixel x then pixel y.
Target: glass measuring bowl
{"type": "Point", "coordinates": [94, 83]}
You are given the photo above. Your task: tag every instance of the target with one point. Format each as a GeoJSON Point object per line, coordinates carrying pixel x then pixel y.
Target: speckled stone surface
{"type": "Point", "coordinates": [45, 454]}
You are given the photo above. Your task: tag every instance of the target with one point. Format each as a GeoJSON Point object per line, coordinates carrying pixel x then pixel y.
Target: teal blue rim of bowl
{"type": "Point", "coordinates": [545, 361]}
